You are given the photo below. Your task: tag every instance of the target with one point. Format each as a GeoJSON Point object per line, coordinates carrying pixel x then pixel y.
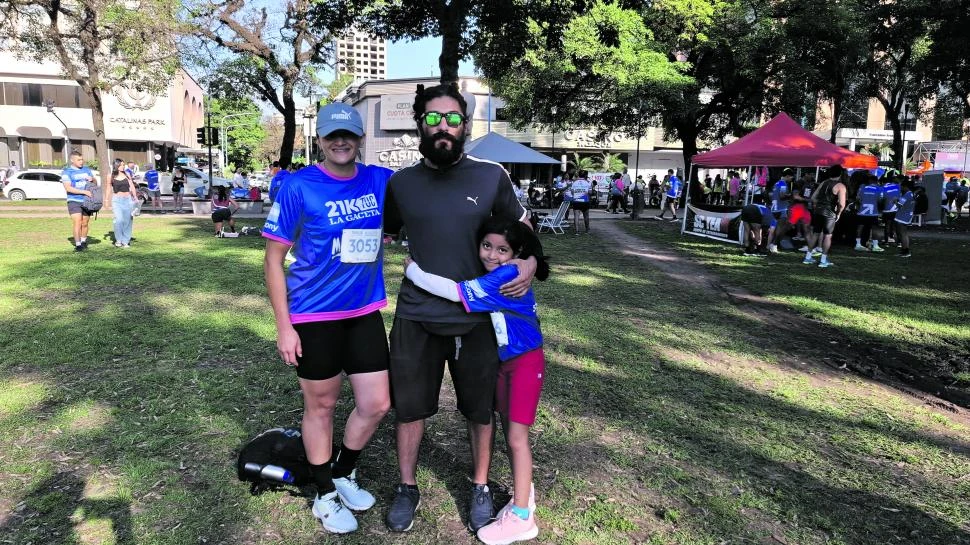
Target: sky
{"type": "Point", "coordinates": [419, 59]}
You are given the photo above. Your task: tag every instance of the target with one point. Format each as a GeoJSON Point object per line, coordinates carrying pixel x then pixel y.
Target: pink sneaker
{"type": "Point", "coordinates": [509, 528]}
{"type": "Point", "coordinates": [532, 502]}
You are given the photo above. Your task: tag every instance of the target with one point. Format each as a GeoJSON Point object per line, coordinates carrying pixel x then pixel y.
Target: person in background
{"type": "Point", "coordinates": [904, 216]}
{"type": "Point", "coordinates": [867, 213]}
{"type": "Point", "coordinates": [636, 193]}
{"type": "Point", "coordinates": [734, 188]}
{"type": "Point", "coordinates": [580, 190]}
{"type": "Point", "coordinates": [962, 194]}
{"type": "Point", "coordinates": [223, 207]}
{"type": "Point", "coordinates": [950, 192]}
{"type": "Point", "coordinates": [829, 202]}
{"type": "Point", "coordinates": [11, 170]}
{"type": "Point", "coordinates": [237, 179]}
{"type": "Point", "coordinates": [124, 196]}
{"type": "Point", "coordinates": [154, 189]}
{"type": "Point", "coordinates": [671, 196]}
{"type": "Point", "coordinates": [760, 223]}
{"type": "Point", "coordinates": [890, 195]}
{"type": "Point", "coordinates": [75, 178]}
{"type": "Point", "coordinates": [278, 173]}
{"type": "Point", "coordinates": [131, 170]}
{"type": "Point", "coordinates": [178, 188]}
{"type": "Point", "coordinates": [717, 190]}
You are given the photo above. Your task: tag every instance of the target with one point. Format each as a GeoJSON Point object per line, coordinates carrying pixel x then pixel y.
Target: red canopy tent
{"type": "Point", "coordinates": [783, 143]}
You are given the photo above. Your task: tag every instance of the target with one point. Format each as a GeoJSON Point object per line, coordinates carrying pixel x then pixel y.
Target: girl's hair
{"type": "Point", "coordinates": [221, 190]}
{"type": "Point", "coordinates": [523, 242]}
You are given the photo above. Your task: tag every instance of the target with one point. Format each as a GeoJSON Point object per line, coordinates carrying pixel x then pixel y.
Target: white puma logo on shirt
{"type": "Point", "coordinates": [474, 200]}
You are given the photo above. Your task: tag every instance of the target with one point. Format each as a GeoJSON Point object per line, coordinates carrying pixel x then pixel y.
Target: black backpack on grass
{"type": "Point", "coordinates": [93, 203]}
{"type": "Point", "coordinates": [281, 447]}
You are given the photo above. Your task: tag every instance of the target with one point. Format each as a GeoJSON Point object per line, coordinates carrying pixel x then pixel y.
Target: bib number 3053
{"type": "Point", "coordinates": [360, 245]}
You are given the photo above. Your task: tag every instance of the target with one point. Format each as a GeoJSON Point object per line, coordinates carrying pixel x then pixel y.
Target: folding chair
{"type": "Point", "coordinates": [556, 222]}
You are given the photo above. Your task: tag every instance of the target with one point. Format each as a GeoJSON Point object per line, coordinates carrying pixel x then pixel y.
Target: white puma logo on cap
{"type": "Point", "coordinates": [474, 200]}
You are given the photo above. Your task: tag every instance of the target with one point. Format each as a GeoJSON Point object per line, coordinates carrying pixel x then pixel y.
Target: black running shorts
{"type": "Point", "coordinates": [823, 223]}
{"type": "Point", "coordinates": [418, 366]}
{"type": "Point", "coordinates": [74, 207]}
{"type": "Point", "coordinates": [353, 345]}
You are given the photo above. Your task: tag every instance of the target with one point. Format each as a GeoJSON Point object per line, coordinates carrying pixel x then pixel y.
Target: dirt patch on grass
{"type": "Point", "coordinates": [879, 362]}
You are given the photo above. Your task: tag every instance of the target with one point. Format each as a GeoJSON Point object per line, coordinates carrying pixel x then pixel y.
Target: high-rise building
{"type": "Point", "coordinates": [362, 55]}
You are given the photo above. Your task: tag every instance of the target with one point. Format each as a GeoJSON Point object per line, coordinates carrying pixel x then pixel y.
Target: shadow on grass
{"type": "Point", "coordinates": [56, 510]}
{"type": "Point", "coordinates": [185, 389]}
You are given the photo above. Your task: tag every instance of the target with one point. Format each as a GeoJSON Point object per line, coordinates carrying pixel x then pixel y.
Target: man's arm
{"type": "Point", "coordinates": [840, 191]}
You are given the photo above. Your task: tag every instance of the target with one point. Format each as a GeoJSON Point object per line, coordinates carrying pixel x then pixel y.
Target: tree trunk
{"type": "Point", "coordinates": [897, 126]}
{"type": "Point", "coordinates": [100, 142]}
{"type": "Point", "coordinates": [688, 136]}
{"type": "Point", "coordinates": [289, 125]}
{"type": "Point", "coordinates": [452, 23]}
{"type": "Point", "coordinates": [837, 108]}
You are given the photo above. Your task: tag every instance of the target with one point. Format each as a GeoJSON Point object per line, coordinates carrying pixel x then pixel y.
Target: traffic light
{"type": "Point", "coordinates": [200, 135]}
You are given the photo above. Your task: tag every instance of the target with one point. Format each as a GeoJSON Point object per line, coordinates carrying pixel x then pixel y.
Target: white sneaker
{"type": "Point", "coordinates": [335, 517]}
{"type": "Point", "coordinates": [877, 248]}
{"type": "Point", "coordinates": [825, 264]}
{"type": "Point", "coordinates": [773, 248]}
{"type": "Point", "coordinates": [532, 502]}
{"type": "Point", "coordinates": [861, 248]}
{"type": "Point", "coordinates": [351, 494]}
{"type": "Point", "coordinates": [803, 249]}
{"type": "Point", "coordinates": [816, 252]}
{"type": "Point", "coordinates": [808, 260]}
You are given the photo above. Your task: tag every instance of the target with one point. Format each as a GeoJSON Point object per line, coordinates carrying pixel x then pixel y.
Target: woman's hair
{"type": "Point", "coordinates": [221, 190]}
{"type": "Point", "coordinates": [117, 169]}
{"type": "Point", "coordinates": [423, 95]}
{"type": "Point", "coordinates": [523, 242]}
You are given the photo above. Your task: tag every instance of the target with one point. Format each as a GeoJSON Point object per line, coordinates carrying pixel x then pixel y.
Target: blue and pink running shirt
{"type": "Point", "coordinates": [906, 204]}
{"type": "Point", "coordinates": [779, 201]}
{"type": "Point", "coordinates": [890, 193]}
{"type": "Point", "coordinates": [513, 318]}
{"type": "Point", "coordinates": [78, 178]}
{"type": "Point", "coordinates": [334, 227]}
{"type": "Point", "coordinates": [674, 189]}
{"type": "Point", "coordinates": [869, 197]}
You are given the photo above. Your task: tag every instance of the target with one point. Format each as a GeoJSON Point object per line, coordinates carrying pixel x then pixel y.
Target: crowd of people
{"type": "Point", "coordinates": [813, 213]}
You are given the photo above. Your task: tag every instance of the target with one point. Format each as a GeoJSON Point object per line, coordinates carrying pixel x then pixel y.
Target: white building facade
{"type": "Point", "coordinates": [138, 126]}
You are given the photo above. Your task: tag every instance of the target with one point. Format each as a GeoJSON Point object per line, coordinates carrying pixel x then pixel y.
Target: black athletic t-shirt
{"type": "Point", "coordinates": [442, 211]}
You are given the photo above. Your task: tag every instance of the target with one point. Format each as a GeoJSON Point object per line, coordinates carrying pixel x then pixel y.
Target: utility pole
{"type": "Point", "coordinates": [208, 128]}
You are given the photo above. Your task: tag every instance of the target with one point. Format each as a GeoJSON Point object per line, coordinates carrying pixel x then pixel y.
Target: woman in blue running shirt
{"type": "Point", "coordinates": [520, 350]}
{"type": "Point", "coordinates": [327, 304]}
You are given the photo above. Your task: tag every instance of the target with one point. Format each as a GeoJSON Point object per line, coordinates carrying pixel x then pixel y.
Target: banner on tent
{"type": "Point", "coordinates": [722, 224]}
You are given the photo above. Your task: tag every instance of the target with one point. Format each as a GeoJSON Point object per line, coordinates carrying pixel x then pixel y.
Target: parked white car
{"type": "Point", "coordinates": [35, 184]}
{"type": "Point", "coordinates": [194, 178]}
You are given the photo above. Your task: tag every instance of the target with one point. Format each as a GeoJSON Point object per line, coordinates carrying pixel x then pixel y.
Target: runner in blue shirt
{"type": "Point", "coordinates": [277, 180]}
{"type": "Point", "coordinates": [579, 191]}
{"type": "Point", "coordinates": [75, 177]}
{"type": "Point", "coordinates": [519, 337]}
{"type": "Point", "coordinates": [781, 194]}
{"type": "Point", "coordinates": [867, 215]}
{"type": "Point", "coordinates": [154, 188]}
{"type": "Point", "coordinates": [904, 216]}
{"type": "Point", "coordinates": [327, 304]}
{"type": "Point", "coordinates": [758, 218]}
{"type": "Point", "coordinates": [671, 196]}
{"type": "Point", "coordinates": [890, 194]}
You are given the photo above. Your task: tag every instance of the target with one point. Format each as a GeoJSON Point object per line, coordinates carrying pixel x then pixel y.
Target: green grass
{"type": "Point", "coordinates": [919, 305]}
{"type": "Point", "coordinates": [128, 379]}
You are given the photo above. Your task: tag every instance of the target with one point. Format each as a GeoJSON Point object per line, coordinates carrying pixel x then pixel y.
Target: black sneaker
{"type": "Point", "coordinates": [481, 510]}
{"type": "Point", "coordinates": [79, 248]}
{"type": "Point", "coordinates": [400, 516]}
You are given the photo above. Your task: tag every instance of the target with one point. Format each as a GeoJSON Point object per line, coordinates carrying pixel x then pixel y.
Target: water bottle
{"type": "Point", "coordinates": [270, 472]}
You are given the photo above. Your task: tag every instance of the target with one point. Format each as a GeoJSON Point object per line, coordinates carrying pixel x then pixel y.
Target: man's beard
{"type": "Point", "coordinates": [440, 155]}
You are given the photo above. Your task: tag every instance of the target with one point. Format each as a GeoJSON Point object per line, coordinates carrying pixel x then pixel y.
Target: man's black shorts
{"type": "Point", "coordinates": [823, 223]}
{"type": "Point", "coordinates": [867, 220]}
{"type": "Point", "coordinates": [74, 207]}
{"type": "Point", "coordinates": [418, 366]}
{"type": "Point", "coordinates": [352, 345]}
{"type": "Point", "coordinates": [752, 214]}
{"type": "Point", "coordinates": [579, 206]}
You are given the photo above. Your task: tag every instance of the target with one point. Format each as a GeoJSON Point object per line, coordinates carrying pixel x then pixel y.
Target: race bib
{"type": "Point", "coordinates": [360, 245]}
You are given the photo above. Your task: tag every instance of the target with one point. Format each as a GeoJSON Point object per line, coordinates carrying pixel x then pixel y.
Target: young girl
{"type": "Point", "coordinates": [520, 349]}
